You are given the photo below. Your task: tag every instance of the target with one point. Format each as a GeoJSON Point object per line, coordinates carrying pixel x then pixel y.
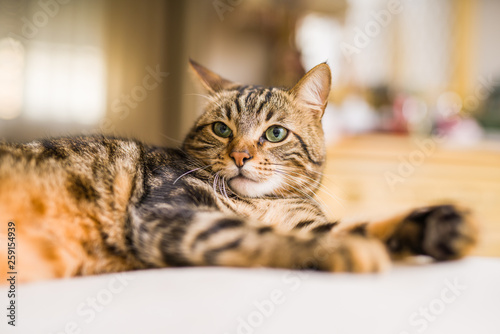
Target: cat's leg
{"type": "Point", "coordinates": [444, 232]}
{"type": "Point", "coordinates": [173, 237]}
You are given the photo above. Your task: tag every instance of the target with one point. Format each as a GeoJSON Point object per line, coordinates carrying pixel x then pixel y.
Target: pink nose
{"type": "Point", "coordinates": [240, 158]}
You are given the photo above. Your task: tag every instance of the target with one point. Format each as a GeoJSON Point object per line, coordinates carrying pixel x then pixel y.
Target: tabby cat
{"type": "Point", "coordinates": [239, 192]}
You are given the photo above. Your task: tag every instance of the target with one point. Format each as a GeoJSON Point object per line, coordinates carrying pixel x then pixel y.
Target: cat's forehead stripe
{"type": "Point", "coordinates": [258, 107]}
{"type": "Point", "coordinates": [227, 109]}
{"type": "Point", "coordinates": [248, 98]}
{"type": "Point", "coordinates": [267, 97]}
{"type": "Point", "coordinates": [248, 106]}
{"type": "Point", "coordinates": [238, 106]}
{"type": "Point", "coordinates": [269, 115]}
{"type": "Point", "coordinates": [252, 99]}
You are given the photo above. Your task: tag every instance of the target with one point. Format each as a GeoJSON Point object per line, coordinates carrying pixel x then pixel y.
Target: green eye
{"type": "Point", "coordinates": [276, 133]}
{"type": "Point", "coordinates": [222, 130]}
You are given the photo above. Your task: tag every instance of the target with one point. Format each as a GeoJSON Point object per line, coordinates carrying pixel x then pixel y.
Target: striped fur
{"type": "Point", "coordinates": [90, 205]}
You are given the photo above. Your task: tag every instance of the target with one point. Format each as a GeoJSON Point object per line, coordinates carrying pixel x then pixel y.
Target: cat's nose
{"type": "Point", "coordinates": [240, 158]}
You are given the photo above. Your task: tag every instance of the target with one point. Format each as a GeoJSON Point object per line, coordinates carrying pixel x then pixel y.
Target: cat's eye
{"type": "Point", "coordinates": [222, 130]}
{"type": "Point", "coordinates": [276, 133]}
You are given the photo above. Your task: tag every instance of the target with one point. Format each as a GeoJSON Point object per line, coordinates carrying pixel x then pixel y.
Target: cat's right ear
{"type": "Point", "coordinates": [210, 80]}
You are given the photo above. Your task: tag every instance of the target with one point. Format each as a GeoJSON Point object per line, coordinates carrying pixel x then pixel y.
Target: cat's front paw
{"type": "Point", "coordinates": [446, 231]}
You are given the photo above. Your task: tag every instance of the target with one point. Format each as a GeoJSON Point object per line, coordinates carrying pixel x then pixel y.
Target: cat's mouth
{"type": "Point", "coordinates": [248, 186]}
{"type": "Point", "coordinates": [242, 185]}
{"type": "Point", "coordinates": [241, 177]}
{"type": "Point", "coordinates": [241, 181]}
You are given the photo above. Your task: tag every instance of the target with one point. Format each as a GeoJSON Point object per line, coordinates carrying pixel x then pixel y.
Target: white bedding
{"type": "Point", "coordinates": [455, 297]}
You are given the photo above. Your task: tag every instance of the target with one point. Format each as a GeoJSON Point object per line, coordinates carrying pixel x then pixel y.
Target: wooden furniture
{"type": "Point", "coordinates": [373, 176]}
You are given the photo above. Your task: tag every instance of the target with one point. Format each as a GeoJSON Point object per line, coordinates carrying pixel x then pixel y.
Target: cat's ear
{"type": "Point", "coordinates": [312, 90]}
{"type": "Point", "coordinates": [210, 80]}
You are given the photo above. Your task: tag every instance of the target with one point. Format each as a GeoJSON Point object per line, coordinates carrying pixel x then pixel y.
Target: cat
{"type": "Point", "coordinates": [239, 192]}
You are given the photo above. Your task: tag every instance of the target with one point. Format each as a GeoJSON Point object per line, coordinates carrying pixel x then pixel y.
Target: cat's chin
{"type": "Point", "coordinates": [249, 188]}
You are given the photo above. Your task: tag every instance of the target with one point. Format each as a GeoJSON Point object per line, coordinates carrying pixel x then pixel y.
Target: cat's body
{"type": "Point", "coordinates": [238, 193]}
{"type": "Point", "coordinates": [89, 216]}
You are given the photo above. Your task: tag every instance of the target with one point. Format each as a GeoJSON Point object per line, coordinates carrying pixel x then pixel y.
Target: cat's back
{"type": "Point", "coordinates": [63, 192]}
{"type": "Point", "coordinates": [89, 172]}
{"type": "Point", "coordinates": [67, 153]}
{"type": "Point", "coordinates": [86, 170]}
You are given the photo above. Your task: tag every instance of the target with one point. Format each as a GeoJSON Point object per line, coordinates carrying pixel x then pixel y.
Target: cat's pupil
{"type": "Point", "coordinates": [276, 132]}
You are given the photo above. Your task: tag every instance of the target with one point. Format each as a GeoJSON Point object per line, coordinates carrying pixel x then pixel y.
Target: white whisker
{"type": "Point", "coordinates": [326, 176]}
{"type": "Point", "coordinates": [171, 139]}
{"type": "Point", "coordinates": [208, 97]}
{"type": "Point", "coordinates": [216, 177]}
{"type": "Point", "coordinates": [318, 200]}
{"type": "Point", "coordinates": [320, 185]}
{"type": "Point", "coordinates": [191, 171]}
{"type": "Point", "coordinates": [224, 187]}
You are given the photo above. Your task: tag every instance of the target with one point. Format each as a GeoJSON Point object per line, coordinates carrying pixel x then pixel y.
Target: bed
{"type": "Point", "coordinates": [453, 297]}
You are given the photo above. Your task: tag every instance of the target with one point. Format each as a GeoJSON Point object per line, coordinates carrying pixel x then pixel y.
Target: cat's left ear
{"type": "Point", "coordinates": [210, 80]}
{"type": "Point", "coordinates": [312, 90]}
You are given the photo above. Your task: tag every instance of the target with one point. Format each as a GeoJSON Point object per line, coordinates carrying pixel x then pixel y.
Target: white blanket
{"type": "Point", "coordinates": [440, 298]}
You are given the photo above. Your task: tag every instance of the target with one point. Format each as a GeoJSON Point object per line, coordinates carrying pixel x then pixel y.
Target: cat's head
{"type": "Point", "coordinates": [262, 141]}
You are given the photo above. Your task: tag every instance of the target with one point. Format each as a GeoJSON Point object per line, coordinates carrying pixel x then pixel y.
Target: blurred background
{"type": "Point", "coordinates": [414, 113]}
